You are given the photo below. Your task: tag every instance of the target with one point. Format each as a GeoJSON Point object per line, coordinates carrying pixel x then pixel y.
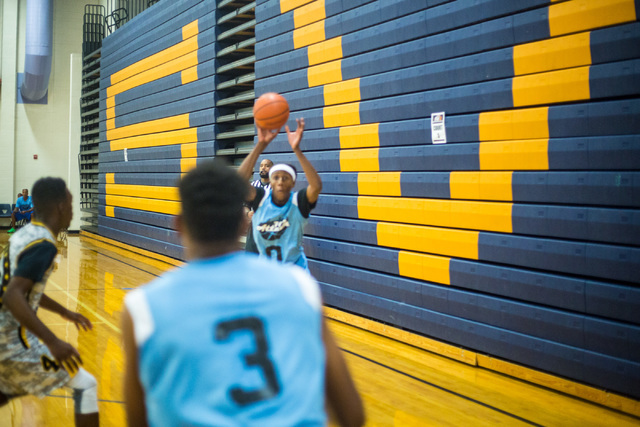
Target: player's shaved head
{"type": "Point", "coordinates": [212, 196]}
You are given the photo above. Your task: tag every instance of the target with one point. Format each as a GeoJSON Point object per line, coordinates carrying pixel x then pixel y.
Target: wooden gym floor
{"type": "Point", "coordinates": [401, 384]}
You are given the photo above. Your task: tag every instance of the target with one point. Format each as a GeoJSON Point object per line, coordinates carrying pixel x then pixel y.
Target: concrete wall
{"type": "Point", "coordinates": [50, 131]}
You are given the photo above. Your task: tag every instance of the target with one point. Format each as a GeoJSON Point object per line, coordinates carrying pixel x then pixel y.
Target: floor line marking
{"type": "Point", "coordinates": [90, 310]}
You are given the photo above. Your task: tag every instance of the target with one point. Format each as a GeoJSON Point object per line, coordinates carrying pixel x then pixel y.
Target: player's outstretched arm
{"type": "Point", "coordinates": [313, 179]}
{"type": "Point", "coordinates": [16, 302]}
{"type": "Point", "coordinates": [78, 319]}
{"type": "Point", "coordinates": [133, 392]}
{"type": "Point", "coordinates": [342, 397]}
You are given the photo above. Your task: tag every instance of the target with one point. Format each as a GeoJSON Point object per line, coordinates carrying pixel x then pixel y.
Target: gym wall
{"type": "Point", "coordinates": [518, 238]}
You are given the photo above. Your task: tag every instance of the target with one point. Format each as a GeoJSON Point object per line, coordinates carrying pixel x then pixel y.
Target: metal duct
{"type": "Point", "coordinates": [38, 49]}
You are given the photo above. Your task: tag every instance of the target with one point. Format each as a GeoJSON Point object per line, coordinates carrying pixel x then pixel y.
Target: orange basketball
{"type": "Point", "coordinates": [271, 111]}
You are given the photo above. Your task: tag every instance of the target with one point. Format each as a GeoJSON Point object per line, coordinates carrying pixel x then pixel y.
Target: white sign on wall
{"type": "Point", "coordinates": [438, 131]}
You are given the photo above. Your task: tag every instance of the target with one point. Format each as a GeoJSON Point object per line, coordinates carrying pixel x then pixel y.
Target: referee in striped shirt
{"type": "Point", "coordinates": [262, 182]}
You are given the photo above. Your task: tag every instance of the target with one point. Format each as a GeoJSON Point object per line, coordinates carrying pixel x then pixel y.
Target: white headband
{"type": "Point", "coordinates": [282, 167]}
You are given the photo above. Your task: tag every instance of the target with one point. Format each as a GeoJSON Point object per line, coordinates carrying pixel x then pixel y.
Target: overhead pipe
{"type": "Point", "coordinates": [38, 50]}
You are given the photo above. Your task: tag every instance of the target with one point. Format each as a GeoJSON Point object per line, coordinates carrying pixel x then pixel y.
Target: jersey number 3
{"type": "Point", "coordinates": [259, 359]}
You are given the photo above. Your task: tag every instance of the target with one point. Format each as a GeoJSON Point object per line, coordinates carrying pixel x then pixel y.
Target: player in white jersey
{"type": "Point", "coordinates": [33, 360]}
{"type": "Point", "coordinates": [230, 339]}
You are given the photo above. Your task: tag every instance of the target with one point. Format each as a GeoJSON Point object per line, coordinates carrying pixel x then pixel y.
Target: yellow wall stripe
{"type": "Point", "coordinates": [110, 178]}
{"type": "Point", "coordinates": [360, 136]}
{"type": "Point", "coordinates": [308, 35]}
{"type": "Point", "coordinates": [187, 164]}
{"type": "Point", "coordinates": [442, 241]}
{"type": "Point", "coordinates": [189, 150]}
{"type": "Point", "coordinates": [149, 205]}
{"type": "Point", "coordinates": [156, 60]}
{"type": "Point", "coordinates": [515, 155]}
{"type": "Point", "coordinates": [147, 191]}
{"type": "Point", "coordinates": [341, 115]}
{"type": "Point", "coordinates": [312, 12]}
{"type": "Point", "coordinates": [363, 160]}
{"type": "Point", "coordinates": [552, 87]}
{"type": "Point", "coordinates": [156, 139]}
{"type": "Point", "coordinates": [190, 30]}
{"type": "Point", "coordinates": [342, 92]}
{"type": "Point", "coordinates": [325, 51]}
{"type": "Point", "coordinates": [111, 124]}
{"type": "Point", "coordinates": [110, 211]}
{"type": "Point", "coordinates": [481, 185]}
{"type": "Point", "coordinates": [189, 75]}
{"type": "Point", "coordinates": [553, 54]}
{"type": "Point", "coordinates": [580, 15]}
{"type": "Point", "coordinates": [166, 69]}
{"type": "Point", "coordinates": [379, 184]}
{"type": "Point", "coordinates": [153, 126]}
{"type": "Point", "coordinates": [111, 102]}
{"type": "Point", "coordinates": [330, 72]}
{"type": "Point", "coordinates": [111, 113]}
{"type": "Point", "coordinates": [484, 216]}
{"type": "Point", "coordinates": [287, 5]}
{"type": "Point", "coordinates": [514, 124]}
{"type": "Point", "coordinates": [424, 267]}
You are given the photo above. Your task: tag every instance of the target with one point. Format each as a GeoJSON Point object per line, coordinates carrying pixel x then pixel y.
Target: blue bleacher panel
{"type": "Point", "coordinates": [141, 229]}
{"type": "Point", "coordinates": [142, 217]}
{"type": "Point", "coordinates": [161, 179]}
{"type": "Point", "coordinates": [157, 246]}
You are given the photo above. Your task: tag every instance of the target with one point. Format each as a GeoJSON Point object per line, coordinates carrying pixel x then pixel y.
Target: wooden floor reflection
{"type": "Point", "coordinates": [401, 385]}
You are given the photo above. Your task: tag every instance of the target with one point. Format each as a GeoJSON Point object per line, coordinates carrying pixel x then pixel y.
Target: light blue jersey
{"type": "Point", "coordinates": [231, 341]}
{"type": "Point", "coordinates": [278, 230]}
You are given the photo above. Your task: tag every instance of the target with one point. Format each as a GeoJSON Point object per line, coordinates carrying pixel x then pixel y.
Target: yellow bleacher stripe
{"type": "Point", "coordinates": [379, 184]}
{"type": "Point", "coordinates": [155, 60]}
{"type": "Point", "coordinates": [360, 136]}
{"type": "Point", "coordinates": [515, 155]}
{"type": "Point", "coordinates": [341, 115]}
{"type": "Point", "coordinates": [580, 15]}
{"type": "Point", "coordinates": [111, 113]}
{"type": "Point", "coordinates": [312, 12]}
{"type": "Point", "coordinates": [342, 92]}
{"type": "Point", "coordinates": [166, 69]}
{"type": "Point", "coordinates": [441, 241]}
{"type": "Point", "coordinates": [156, 139]}
{"type": "Point", "coordinates": [111, 124]}
{"type": "Point", "coordinates": [322, 74]}
{"type": "Point", "coordinates": [483, 216]}
{"type": "Point", "coordinates": [146, 191]}
{"type": "Point", "coordinates": [189, 75]}
{"type": "Point", "coordinates": [363, 160]}
{"type": "Point", "coordinates": [551, 87]}
{"type": "Point", "coordinates": [325, 51]}
{"type": "Point", "coordinates": [152, 126]}
{"type": "Point", "coordinates": [110, 211]}
{"type": "Point", "coordinates": [308, 35]}
{"type": "Point", "coordinates": [424, 267]}
{"type": "Point", "coordinates": [287, 5]}
{"type": "Point", "coordinates": [110, 178]}
{"type": "Point", "coordinates": [481, 185]}
{"type": "Point", "coordinates": [190, 30]}
{"type": "Point", "coordinates": [139, 203]}
{"type": "Point", "coordinates": [187, 164]}
{"type": "Point", "coordinates": [111, 102]}
{"type": "Point", "coordinates": [514, 124]}
{"type": "Point", "coordinates": [189, 150]}
{"type": "Point", "coordinates": [553, 54]}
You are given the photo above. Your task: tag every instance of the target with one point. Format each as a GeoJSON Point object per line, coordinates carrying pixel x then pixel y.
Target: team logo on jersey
{"type": "Point", "coordinates": [273, 230]}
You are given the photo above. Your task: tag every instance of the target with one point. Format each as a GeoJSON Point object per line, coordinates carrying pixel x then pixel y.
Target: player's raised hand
{"type": "Point", "coordinates": [265, 136]}
{"type": "Point", "coordinates": [296, 136]}
{"type": "Point", "coordinates": [79, 320]}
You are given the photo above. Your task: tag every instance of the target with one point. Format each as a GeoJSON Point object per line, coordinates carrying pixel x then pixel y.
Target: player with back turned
{"type": "Point", "coordinates": [230, 338]}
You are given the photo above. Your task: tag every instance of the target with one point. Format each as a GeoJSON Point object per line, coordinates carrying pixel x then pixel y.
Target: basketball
{"type": "Point", "coordinates": [271, 111]}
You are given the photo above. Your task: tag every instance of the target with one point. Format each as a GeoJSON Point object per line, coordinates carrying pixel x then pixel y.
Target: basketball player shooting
{"type": "Point", "coordinates": [280, 214]}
